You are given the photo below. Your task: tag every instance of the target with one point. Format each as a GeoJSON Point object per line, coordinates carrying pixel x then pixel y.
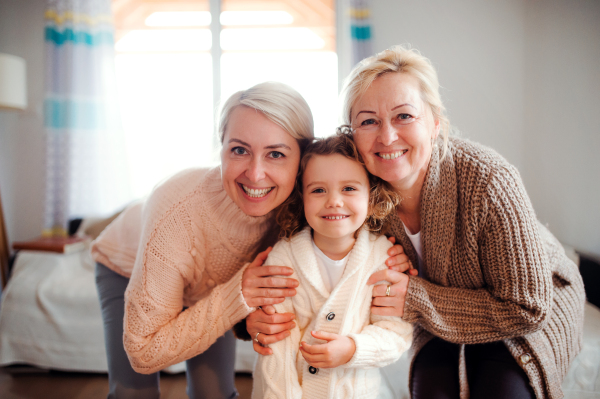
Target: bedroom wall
{"type": "Point", "coordinates": [521, 77]}
{"type": "Point", "coordinates": [21, 133]}
{"type": "Point", "coordinates": [562, 140]}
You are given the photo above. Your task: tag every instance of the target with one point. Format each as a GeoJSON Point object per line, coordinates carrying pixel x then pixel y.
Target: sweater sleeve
{"type": "Point", "coordinates": [157, 333]}
{"type": "Point", "coordinates": [517, 295]}
{"type": "Point", "coordinates": [380, 343]}
{"type": "Point", "coordinates": [276, 375]}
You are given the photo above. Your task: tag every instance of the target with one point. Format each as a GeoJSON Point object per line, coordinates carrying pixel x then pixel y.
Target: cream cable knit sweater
{"type": "Point", "coordinates": [346, 311]}
{"type": "Point", "coordinates": [194, 242]}
{"type": "Point", "coordinates": [494, 273]}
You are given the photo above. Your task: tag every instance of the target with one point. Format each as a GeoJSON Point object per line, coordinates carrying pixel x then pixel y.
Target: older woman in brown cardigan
{"type": "Point", "coordinates": [497, 305]}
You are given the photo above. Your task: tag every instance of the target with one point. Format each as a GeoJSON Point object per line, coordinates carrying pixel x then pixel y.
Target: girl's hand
{"type": "Point", "coordinates": [337, 351]}
{"type": "Point", "coordinates": [398, 260]}
{"type": "Point", "coordinates": [272, 328]}
{"type": "Point", "coordinates": [260, 288]}
{"type": "Point", "coordinates": [392, 304]}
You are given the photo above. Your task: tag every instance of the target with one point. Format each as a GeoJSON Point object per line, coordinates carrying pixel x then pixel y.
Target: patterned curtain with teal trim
{"type": "Point", "coordinates": [85, 157]}
{"type": "Point", "coordinates": [360, 25]}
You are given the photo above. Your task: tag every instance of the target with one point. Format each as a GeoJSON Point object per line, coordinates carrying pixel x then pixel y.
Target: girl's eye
{"type": "Point", "coordinates": [318, 191]}
{"type": "Point", "coordinates": [239, 150]}
{"type": "Point", "coordinates": [276, 155]}
{"type": "Point", "coordinates": [348, 189]}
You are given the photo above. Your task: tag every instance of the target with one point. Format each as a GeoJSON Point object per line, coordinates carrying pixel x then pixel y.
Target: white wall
{"type": "Point", "coordinates": [562, 127]}
{"type": "Point", "coordinates": [522, 77]}
{"type": "Point", "coordinates": [22, 146]}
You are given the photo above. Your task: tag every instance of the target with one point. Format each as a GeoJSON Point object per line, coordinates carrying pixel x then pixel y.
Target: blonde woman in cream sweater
{"type": "Point", "coordinates": [337, 346]}
{"type": "Point", "coordinates": [181, 253]}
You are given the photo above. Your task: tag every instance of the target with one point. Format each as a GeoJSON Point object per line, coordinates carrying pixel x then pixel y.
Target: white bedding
{"type": "Point", "coordinates": [50, 318]}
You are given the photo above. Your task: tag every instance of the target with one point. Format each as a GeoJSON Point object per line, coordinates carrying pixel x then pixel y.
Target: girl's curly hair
{"type": "Point", "coordinates": [382, 197]}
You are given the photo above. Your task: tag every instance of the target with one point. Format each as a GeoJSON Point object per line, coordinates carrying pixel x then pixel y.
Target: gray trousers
{"type": "Point", "coordinates": [209, 375]}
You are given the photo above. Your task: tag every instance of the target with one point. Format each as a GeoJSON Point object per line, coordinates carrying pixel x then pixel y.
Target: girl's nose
{"type": "Point", "coordinates": [387, 134]}
{"type": "Point", "coordinates": [334, 200]}
{"type": "Point", "coordinates": [255, 171]}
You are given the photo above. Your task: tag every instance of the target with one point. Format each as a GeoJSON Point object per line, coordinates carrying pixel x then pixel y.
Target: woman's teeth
{"type": "Point", "coordinates": [257, 193]}
{"type": "Point", "coordinates": [392, 155]}
{"type": "Point", "coordinates": [335, 217]}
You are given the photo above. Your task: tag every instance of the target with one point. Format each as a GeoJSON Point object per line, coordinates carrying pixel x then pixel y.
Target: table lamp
{"type": "Point", "coordinates": [13, 96]}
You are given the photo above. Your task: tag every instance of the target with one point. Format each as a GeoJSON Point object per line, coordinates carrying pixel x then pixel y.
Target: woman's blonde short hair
{"type": "Point", "coordinates": [396, 59]}
{"type": "Point", "coordinates": [280, 103]}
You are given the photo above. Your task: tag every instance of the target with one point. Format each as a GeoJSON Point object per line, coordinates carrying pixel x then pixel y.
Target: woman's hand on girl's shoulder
{"type": "Point", "coordinates": [398, 260]}
{"type": "Point", "coordinates": [260, 287]}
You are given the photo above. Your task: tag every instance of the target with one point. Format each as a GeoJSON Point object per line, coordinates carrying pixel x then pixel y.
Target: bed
{"type": "Point", "coordinates": [50, 318]}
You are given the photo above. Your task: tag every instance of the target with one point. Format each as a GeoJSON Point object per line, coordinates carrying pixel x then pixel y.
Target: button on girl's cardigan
{"type": "Point", "coordinates": [345, 311]}
{"type": "Point", "coordinates": [494, 273]}
{"type": "Point", "coordinates": [193, 242]}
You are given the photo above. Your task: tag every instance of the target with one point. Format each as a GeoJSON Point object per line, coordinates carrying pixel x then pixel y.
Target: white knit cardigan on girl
{"type": "Point", "coordinates": [380, 340]}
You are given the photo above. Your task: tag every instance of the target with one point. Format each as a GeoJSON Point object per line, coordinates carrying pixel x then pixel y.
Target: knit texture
{"type": "Point", "coordinates": [379, 340]}
{"type": "Point", "coordinates": [494, 273]}
{"type": "Point", "coordinates": [193, 243]}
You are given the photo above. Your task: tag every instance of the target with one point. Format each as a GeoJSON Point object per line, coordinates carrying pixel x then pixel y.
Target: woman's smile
{"type": "Point", "coordinates": [256, 193]}
{"type": "Point", "coordinates": [391, 155]}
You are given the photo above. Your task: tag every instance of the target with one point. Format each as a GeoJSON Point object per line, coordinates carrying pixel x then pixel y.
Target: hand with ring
{"type": "Point", "coordinates": [388, 299]}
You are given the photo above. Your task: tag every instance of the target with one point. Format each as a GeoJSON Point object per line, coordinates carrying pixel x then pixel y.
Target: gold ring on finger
{"type": "Point", "coordinates": [388, 290]}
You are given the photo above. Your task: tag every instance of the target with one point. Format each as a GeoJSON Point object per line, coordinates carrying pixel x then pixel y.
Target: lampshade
{"type": "Point", "coordinates": [13, 89]}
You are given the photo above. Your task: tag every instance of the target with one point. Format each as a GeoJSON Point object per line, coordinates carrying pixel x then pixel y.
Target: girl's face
{"type": "Point", "coordinates": [394, 129]}
{"type": "Point", "coordinates": [259, 162]}
{"type": "Point", "coordinates": [336, 196]}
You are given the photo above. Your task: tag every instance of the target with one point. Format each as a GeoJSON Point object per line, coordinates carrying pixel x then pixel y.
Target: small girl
{"type": "Point", "coordinates": [330, 223]}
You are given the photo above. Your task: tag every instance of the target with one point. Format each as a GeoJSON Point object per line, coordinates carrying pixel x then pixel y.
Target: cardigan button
{"type": "Point", "coordinates": [525, 358]}
{"type": "Point", "coordinates": [330, 316]}
{"type": "Point", "coordinates": [313, 370]}
{"type": "Point", "coordinates": [211, 282]}
{"type": "Point", "coordinates": [194, 252]}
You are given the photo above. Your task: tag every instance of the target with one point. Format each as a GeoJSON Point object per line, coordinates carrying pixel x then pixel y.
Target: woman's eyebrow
{"type": "Point", "coordinates": [396, 107]}
{"type": "Point", "coordinates": [281, 145]}
{"type": "Point", "coordinates": [402, 105]}
{"type": "Point", "coordinates": [239, 141]}
{"type": "Point", "coordinates": [269, 147]}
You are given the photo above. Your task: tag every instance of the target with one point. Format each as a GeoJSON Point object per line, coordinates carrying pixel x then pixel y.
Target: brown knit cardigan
{"type": "Point", "coordinates": [493, 272]}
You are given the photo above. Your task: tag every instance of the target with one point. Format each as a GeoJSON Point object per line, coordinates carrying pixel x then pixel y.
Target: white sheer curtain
{"type": "Point", "coordinates": [86, 168]}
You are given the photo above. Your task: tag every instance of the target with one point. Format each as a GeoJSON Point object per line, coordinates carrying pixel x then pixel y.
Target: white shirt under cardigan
{"type": "Point", "coordinates": [380, 340]}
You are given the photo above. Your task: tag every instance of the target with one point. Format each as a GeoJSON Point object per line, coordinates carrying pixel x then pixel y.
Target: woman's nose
{"type": "Point", "coordinates": [255, 171]}
{"type": "Point", "coordinates": [387, 134]}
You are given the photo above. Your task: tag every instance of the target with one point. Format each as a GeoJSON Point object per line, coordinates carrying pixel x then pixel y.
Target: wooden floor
{"type": "Point", "coordinates": [25, 383]}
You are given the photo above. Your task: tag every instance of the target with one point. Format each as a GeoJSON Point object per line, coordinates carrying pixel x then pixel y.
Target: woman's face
{"type": "Point", "coordinates": [259, 162]}
{"type": "Point", "coordinates": [394, 130]}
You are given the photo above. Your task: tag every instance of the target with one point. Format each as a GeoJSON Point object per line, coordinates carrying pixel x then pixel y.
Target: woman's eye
{"type": "Point", "coordinates": [276, 155]}
{"type": "Point", "coordinates": [405, 117]}
{"type": "Point", "coordinates": [367, 122]}
{"type": "Point", "coordinates": [239, 150]}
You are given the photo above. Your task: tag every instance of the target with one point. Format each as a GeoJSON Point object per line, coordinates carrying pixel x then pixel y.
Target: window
{"type": "Point", "coordinates": [165, 62]}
